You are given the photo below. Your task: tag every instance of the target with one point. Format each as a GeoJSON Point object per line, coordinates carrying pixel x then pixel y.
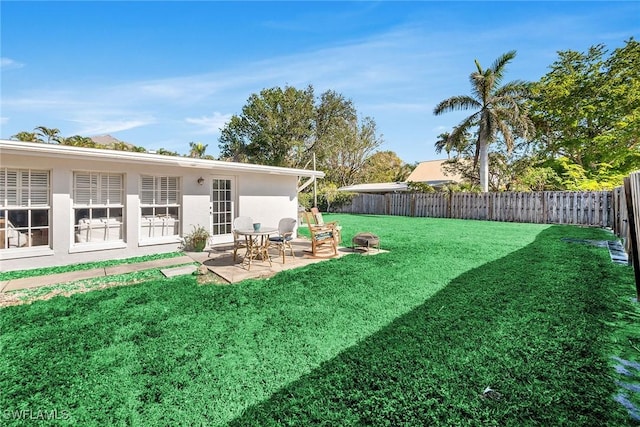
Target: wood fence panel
{"type": "Point", "coordinates": [632, 196]}
{"type": "Point", "coordinates": [620, 216]}
{"type": "Point", "coordinates": [597, 208]}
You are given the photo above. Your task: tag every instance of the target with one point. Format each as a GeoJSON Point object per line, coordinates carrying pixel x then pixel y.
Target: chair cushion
{"type": "Point", "coordinates": [280, 239]}
{"type": "Point", "coordinates": [323, 235]}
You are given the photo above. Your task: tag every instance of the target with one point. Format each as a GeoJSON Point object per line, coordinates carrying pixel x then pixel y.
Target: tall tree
{"type": "Point", "coordinates": [587, 111]}
{"type": "Point", "coordinates": [333, 115]}
{"type": "Point", "coordinates": [197, 150]}
{"type": "Point", "coordinates": [275, 128]}
{"type": "Point", "coordinates": [346, 157]}
{"type": "Point", "coordinates": [385, 166]}
{"type": "Point", "coordinates": [284, 127]}
{"type": "Point", "coordinates": [499, 110]}
{"type": "Point", "coordinates": [51, 134]}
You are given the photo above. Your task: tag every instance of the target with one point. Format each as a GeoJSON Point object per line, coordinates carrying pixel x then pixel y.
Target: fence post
{"type": "Point", "coordinates": [632, 233]}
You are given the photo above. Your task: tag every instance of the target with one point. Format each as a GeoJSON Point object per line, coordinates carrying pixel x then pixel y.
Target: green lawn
{"type": "Point", "coordinates": [410, 337]}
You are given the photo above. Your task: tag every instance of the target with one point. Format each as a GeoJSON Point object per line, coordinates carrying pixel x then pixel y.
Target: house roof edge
{"type": "Point", "coordinates": [54, 150]}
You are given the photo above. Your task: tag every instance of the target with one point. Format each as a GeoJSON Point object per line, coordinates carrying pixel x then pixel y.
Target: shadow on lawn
{"type": "Point", "coordinates": [530, 326]}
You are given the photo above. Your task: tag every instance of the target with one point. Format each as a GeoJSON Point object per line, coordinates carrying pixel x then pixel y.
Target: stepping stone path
{"type": "Point", "coordinates": [630, 370]}
{"type": "Point", "coordinates": [616, 251]}
{"type": "Point", "coordinates": [618, 255]}
{"type": "Point", "coordinates": [179, 271]}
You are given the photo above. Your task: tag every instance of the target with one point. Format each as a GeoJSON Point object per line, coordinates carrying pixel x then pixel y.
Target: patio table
{"type": "Point", "coordinates": [257, 244]}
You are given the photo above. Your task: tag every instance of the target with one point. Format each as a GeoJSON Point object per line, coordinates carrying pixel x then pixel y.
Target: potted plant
{"type": "Point", "coordinates": [197, 239]}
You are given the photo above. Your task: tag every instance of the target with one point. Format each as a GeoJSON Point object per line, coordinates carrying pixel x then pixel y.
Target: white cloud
{"type": "Point", "coordinates": [8, 64]}
{"type": "Point", "coordinates": [4, 120]}
{"type": "Point", "coordinates": [210, 124]}
{"type": "Point", "coordinates": [101, 127]}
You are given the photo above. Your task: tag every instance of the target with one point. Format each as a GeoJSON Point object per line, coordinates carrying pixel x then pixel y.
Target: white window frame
{"type": "Point", "coordinates": [98, 209]}
{"type": "Point", "coordinates": [160, 205]}
{"type": "Point", "coordinates": [25, 193]}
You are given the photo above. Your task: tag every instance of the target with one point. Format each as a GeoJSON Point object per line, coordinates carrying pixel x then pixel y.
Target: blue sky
{"type": "Point", "coordinates": [162, 74]}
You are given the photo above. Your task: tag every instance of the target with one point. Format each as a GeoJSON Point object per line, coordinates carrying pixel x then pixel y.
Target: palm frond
{"type": "Point", "coordinates": [456, 103]}
{"type": "Point", "coordinates": [498, 65]}
{"type": "Point", "coordinates": [458, 139]}
{"type": "Point", "coordinates": [504, 129]}
{"type": "Point", "coordinates": [514, 89]}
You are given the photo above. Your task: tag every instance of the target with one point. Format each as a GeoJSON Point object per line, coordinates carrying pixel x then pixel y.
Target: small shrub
{"type": "Point", "coordinates": [197, 239]}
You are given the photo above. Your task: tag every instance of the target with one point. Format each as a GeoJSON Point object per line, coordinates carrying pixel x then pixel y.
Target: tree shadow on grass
{"type": "Point", "coordinates": [530, 327]}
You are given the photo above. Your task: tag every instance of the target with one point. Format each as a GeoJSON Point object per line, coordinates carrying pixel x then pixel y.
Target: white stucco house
{"type": "Point", "coordinates": [63, 205]}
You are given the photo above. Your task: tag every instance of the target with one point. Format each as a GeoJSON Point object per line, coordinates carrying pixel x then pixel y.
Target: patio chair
{"type": "Point", "coordinates": [317, 215]}
{"type": "Point", "coordinates": [286, 226]}
{"type": "Point", "coordinates": [239, 242]}
{"type": "Point", "coordinates": [320, 235]}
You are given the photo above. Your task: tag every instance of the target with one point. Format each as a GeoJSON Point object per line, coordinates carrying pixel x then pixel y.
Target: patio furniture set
{"type": "Point", "coordinates": [257, 240]}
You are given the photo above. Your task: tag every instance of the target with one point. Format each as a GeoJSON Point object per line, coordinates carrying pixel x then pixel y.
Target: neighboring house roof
{"type": "Point", "coordinates": [65, 151]}
{"type": "Point", "coordinates": [380, 187]}
{"type": "Point", "coordinates": [108, 141]}
{"type": "Point", "coordinates": [431, 172]}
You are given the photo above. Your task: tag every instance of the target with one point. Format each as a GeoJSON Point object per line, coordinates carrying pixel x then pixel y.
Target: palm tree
{"type": "Point", "coordinates": [52, 134]}
{"type": "Point", "coordinates": [197, 150]}
{"type": "Point", "coordinates": [27, 137]}
{"type": "Point", "coordinates": [499, 110]}
{"type": "Point", "coordinates": [166, 152]}
{"type": "Point", "coordinates": [78, 141]}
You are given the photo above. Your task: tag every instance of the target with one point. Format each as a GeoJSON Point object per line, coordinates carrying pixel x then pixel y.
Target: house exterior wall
{"type": "Point", "coordinates": [263, 196]}
{"type": "Point", "coordinates": [267, 198]}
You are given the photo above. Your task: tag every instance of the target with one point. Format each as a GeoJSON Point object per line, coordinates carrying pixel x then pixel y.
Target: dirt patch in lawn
{"type": "Point", "coordinates": [27, 296]}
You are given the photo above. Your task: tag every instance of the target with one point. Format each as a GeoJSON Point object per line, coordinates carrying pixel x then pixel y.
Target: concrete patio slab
{"type": "Point", "coordinates": [219, 260]}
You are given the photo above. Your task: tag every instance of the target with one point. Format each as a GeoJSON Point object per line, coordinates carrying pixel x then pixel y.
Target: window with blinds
{"type": "Point", "coordinates": [159, 206]}
{"type": "Point", "coordinates": [98, 189]}
{"type": "Point", "coordinates": [25, 196]}
{"type": "Point", "coordinates": [98, 203]}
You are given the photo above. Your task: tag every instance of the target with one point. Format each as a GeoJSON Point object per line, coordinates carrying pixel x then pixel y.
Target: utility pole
{"type": "Point", "coordinates": [315, 183]}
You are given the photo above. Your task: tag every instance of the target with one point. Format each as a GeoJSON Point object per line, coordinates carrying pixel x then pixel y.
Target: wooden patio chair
{"type": "Point", "coordinates": [320, 235]}
{"type": "Point", "coordinates": [317, 215]}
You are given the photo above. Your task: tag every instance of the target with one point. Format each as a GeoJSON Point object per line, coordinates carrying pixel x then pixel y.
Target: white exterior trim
{"type": "Point", "coordinates": [65, 151]}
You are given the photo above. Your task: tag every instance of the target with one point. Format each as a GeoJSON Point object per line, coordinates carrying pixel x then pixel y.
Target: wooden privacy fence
{"type": "Point", "coordinates": [628, 225]}
{"type": "Point", "coordinates": [618, 209]}
{"type": "Point", "coordinates": [593, 208]}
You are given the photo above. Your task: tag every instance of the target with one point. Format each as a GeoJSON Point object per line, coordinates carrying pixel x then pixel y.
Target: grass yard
{"type": "Point", "coordinates": [410, 337]}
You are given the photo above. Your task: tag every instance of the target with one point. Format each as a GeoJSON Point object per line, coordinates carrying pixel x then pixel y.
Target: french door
{"type": "Point", "coordinates": [222, 209]}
